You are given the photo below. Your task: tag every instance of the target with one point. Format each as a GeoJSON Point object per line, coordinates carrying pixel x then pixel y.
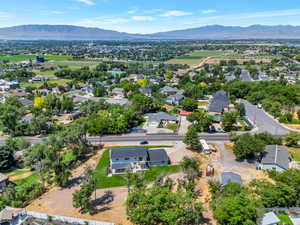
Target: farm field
{"type": "Point", "coordinates": [195, 57]}
{"type": "Point", "coordinates": [39, 83]}
{"type": "Point", "coordinates": [18, 58]}
{"type": "Point", "coordinates": [76, 64]}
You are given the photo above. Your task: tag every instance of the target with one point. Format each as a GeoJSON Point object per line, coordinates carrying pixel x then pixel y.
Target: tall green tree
{"type": "Point", "coordinates": [191, 139]}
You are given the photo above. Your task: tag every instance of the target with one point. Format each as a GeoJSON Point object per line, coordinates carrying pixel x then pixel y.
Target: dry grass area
{"type": "Point", "coordinates": [293, 126]}
{"type": "Point", "coordinates": [240, 61]}
{"type": "Point", "coordinates": [58, 201]}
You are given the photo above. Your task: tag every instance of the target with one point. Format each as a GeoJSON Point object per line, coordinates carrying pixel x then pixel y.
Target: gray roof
{"type": "Point", "coordinates": [276, 154]}
{"type": "Point", "coordinates": [270, 218]}
{"type": "Point", "coordinates": [3, 177]}
{"type": "Point", "coordinates": [227, 177]}
{"type": "Point", "coordinates": [146, 90]}
{"type": "Point", "coordinates": [136, 152]}
{"type": "Point", "coordinates": [219, 102]}
{"type": "Point", "coordinates": [168, 89]}
{"type": "Point", "coordinates": [177, 97]}
{"type": "Point", "coordinates": [120, 166]}
{"type": "Point", "coordinates": [158, 117]}
{"type": "Point", "coordinates": [25, 101]}
{"type": "Point", "coordinates": [158, 155]}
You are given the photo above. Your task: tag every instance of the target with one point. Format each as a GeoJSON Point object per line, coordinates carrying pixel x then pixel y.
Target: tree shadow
{"type": "Point", "coordinates": [104, 200]}
{"type": "Point", "coordinates": [73, 182]}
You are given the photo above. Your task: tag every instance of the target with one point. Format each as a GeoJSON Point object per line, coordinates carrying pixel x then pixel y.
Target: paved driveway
{"type": "Point", "coordinates": [245, 76]}
{"type": "Point", "coordinates": [264, 122]}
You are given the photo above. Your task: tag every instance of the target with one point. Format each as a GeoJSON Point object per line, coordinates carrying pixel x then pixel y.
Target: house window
{"type": "Point", "coordinates": [126, 158]}
{"type": "Point", "coordinates": [140, 158]}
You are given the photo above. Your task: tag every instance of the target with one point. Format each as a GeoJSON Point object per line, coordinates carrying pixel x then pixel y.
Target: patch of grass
{"type": "Point", "coordinates": [172, 127]}
{"type": "Point", "coordinates": [18, 58]}
{"type": "Point", "coordinates": [285, 220]}
{"type": "Point", "coordinates": [17, 172]}
{"type": "Point", "coordinates": [103, 181]}
{"type": "Point", "coordinates": [295, 152]}
{"type": "Point", "coordinates": [38, 84]}
{"type": "Point", "coordinates": [34, 178]}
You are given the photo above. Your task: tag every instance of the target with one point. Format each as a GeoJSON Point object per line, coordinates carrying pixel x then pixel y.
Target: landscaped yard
{"type": "Point", "coordinates": [285, 220]}
{"type": "Point", "coordinates": [34, 178]}
{"type": "Point", "coordinates": [103, 181]}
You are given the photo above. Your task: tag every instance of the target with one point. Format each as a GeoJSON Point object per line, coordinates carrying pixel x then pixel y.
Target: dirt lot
{"type": "Point", "coordinates": [58, 201]}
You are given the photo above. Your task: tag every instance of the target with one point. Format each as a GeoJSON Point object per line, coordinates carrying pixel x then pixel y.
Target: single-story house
{"type": "Point", "coordinates": [117, 101]}
{"type": "Point", "coordinates": [136, 159]}
{"type": "Point", "coordinates": [160, 119]}
{"type": "Point", "coordinates": [167, 90]}
{"type": "Point", "coordinates": [227, 177]}
{"type": "Point", "coordinates": [219, 102]}
{"type": "Point", "coordinates": [275, 157]}
{"type": "Point", "coordinates": [270, 218]}
{"type": "Point", "coordinates": [118, 92]}
{"type": "Point", "coordinates": [4, 180]}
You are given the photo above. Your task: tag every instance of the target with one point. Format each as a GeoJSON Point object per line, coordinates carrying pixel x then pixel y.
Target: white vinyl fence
{"type": "Point", "coordinates": [66, 219]}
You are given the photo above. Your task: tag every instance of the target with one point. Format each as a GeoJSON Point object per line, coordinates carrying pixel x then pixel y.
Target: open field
{"type": "Point", "coordinates": [76, 64]}
{"type": "Point", "coordinates": [103, 181]}
{"type": "Point", "coordinates": [18, 58]}
{"type": "Point", "coordinates": [195, 57]}
{"type": "Point", "coordinates": [39, 83]}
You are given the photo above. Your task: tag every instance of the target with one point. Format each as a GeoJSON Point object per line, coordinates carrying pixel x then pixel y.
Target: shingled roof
{"type": "Point", "coordinates": [219, 102]}
{"type": "Point", "coordinates": [136, 152]}
{"type": "Point", "coordinates": [276, 154]}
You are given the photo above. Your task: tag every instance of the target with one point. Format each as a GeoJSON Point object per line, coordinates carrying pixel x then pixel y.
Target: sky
{"type": "Point", "coordinates": [149, 16]}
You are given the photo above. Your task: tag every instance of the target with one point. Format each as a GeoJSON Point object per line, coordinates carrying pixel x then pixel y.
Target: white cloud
{"type": "Point", "coordinates": [56, 12]}
{"type": "Point", "coordinates": [87, 2]}
{"type": "Point", "coordinates": [208, 11]}
{"type": "Point", "coordinates": [5, 16]}
{"type": "Point", "coordinates": [143, 18]}
{"type": "Point", "coordinates": [175, 13]}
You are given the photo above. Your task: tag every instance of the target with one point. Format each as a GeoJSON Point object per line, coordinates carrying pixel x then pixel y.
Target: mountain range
{"type": "Point", "coordinates": [213, 32]}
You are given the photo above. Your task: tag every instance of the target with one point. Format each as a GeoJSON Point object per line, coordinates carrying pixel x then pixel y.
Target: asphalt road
{"type": "Point", "coordinates": [138, 138]}
{"type": "Point", "coordinates": [245, 76]}
{"type": "Point", "coordinates": [263, 121]}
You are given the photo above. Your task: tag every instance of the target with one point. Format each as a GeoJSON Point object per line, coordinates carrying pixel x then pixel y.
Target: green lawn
{"type": "Point", "coordinates": [38, 84]}
{"type": "Point", "coordinates": [285, 220]}
{"type": "Point", "coordinates": [17, 172]}
{"type": "Point", "coordinates": [18, 58]}
{"type": "Point", "coordinates": [103, 181]}
{"type": "Point", "coordinates": [172, 127]}
{"type": "Point", "coordinates": [34, 178]}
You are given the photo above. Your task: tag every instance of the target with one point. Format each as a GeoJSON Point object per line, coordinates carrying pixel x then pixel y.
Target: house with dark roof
{"type": "Point", "coordinates": [275, 157]}
{"type": "Point", "coordinates": [227, 177]}
{"type": "Point", "coordinates": [158, 157]}
{"type": "Point", "coordinates": [136, 159]}
{"type": "Point", "coordinates": [219, 102]}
